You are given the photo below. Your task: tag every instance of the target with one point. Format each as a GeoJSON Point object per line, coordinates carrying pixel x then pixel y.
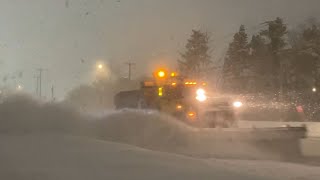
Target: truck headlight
{"type": "Point", "coordinates": [237, 104]}
{"type": "Point", "coordinates": [201, 95]}
{"type": "Point", "coordinates": [178, 107]}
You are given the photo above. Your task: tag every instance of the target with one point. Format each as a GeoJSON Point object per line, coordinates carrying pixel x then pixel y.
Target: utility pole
{"type": "Point", "coordinates": [39, 81]}
{"type": "Point", "coordinates": [36, 84]}
{"type": "Point", "coordinates": [52, 93]}
{"type": "Point", "coordinates": [130, 64]}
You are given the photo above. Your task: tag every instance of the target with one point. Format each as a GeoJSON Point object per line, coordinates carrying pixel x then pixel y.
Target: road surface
{"type": "Point", "coordinates": [40, 142]}
{"type": "Point", "coordinates": [52, 157]}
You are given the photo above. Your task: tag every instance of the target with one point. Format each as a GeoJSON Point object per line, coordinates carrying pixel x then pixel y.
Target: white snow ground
{"type": "Point", "coordinates": [50, 143]}
{"type": "Point", "coordinates": [65, 157]}
{"type": "Point", "coordinates": [56, 157]}
{"type": "Point", "coordinates": [271, 169]}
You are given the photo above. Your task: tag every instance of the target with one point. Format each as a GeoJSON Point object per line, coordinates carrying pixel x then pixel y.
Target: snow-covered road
{"type": "Point", "coordinates": [44, 157]}
{"type": "Point", "coordinates": [50, 142]}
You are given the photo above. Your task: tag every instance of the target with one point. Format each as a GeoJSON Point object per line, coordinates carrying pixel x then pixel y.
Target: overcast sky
{"type": "Point", "coordinates": [69, 36]}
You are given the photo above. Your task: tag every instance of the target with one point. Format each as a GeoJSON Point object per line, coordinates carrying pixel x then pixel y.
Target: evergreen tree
{"type": "Point", "coordinates": [261, 66]}
{"type": "Point", "coordinates": [236, 64]}
{"type": "Point", "coordinates": [275, 34]}
{"type": "Point", "coordinates": [258, 46]}
{"type": "Point", "coordinates": [305, 68]}
{"type": "Point", "coordinates": [307, 58]}
{"type": "Point", "coordinates": [196, 58]}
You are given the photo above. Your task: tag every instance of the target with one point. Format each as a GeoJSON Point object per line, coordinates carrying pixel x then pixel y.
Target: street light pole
{"type": "Point", "coordinates": [281, 89]}
{"type": "Point", "coordinates": [130, 64]}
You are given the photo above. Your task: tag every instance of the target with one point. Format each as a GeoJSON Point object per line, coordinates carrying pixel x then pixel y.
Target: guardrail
{"type": "Point", "coordinates": [309, 146]}
{"type": "Point", "coordinates": [278, 143]}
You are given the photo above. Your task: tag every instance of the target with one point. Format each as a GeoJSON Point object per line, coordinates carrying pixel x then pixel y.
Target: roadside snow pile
{"type": "Point", "coordinates": [146, 129]}
{"type": "Point", "coordinates": [48, 141]}
{"type": "Point", "coordinates": [22, 114]}
{"type": "Point", "coordinates": [65, 157]}
{"type": "Point", "coordinates": [271, 169]}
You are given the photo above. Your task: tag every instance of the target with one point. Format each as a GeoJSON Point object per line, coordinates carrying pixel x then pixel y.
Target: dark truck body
{"type": "Point", "coordinates": [128, 99]}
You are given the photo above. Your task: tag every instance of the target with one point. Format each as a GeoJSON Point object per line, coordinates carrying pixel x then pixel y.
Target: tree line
{"type": "Point", "coordinates": [273, 60]}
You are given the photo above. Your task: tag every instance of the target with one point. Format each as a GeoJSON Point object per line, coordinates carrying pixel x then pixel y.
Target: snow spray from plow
{"type": "Point", "coordinates": [160, 132]}
{"type": "Point", "coordinates": [151, 130]}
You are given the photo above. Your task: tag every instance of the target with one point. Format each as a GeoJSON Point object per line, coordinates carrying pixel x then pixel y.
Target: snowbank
{"type": "Point", "coordinates": [49, 141]}
{"type": "Point", "coordinates": [271, 169]}
{"type": "Point", "coordinates": [23, 115]}
{"type": "Point", "coordinates": [52, 157]}
{"type": "Point", "coordinates": [146, 129]}
{"type": "Point", "coordinates": [66, 157]}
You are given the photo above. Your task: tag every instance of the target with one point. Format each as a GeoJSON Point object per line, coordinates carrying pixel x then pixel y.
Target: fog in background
{"type": "Point", "coordinates": [67, 37]}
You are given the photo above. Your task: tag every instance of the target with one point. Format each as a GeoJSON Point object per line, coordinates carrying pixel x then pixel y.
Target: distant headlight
{"type": "Point", "coordinates": [237, 104]}
{"type": "Point", "coordinates": [201, 95]}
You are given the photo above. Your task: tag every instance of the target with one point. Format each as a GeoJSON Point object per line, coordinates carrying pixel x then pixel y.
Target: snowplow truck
{"type": "Point", "coordinates": [190, 101]}
{"type": "Point", "coordinates": [184, 98]}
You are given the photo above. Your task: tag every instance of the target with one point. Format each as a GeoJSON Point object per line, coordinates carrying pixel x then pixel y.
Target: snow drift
{"type": "Point", "coordinates": [145, 129]}
{"type": "Point", "coordinates": [49, 141]}
{"type": "Point", "coordinates": [24, 115]}
{"type": "Point", "coordinates": [152, 130]}
{"type": "Point", "coordinates": [66, 157]}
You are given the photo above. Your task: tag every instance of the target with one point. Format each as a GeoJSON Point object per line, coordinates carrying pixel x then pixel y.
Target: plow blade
{"type": "Point", "coordinates": [281, 143]}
